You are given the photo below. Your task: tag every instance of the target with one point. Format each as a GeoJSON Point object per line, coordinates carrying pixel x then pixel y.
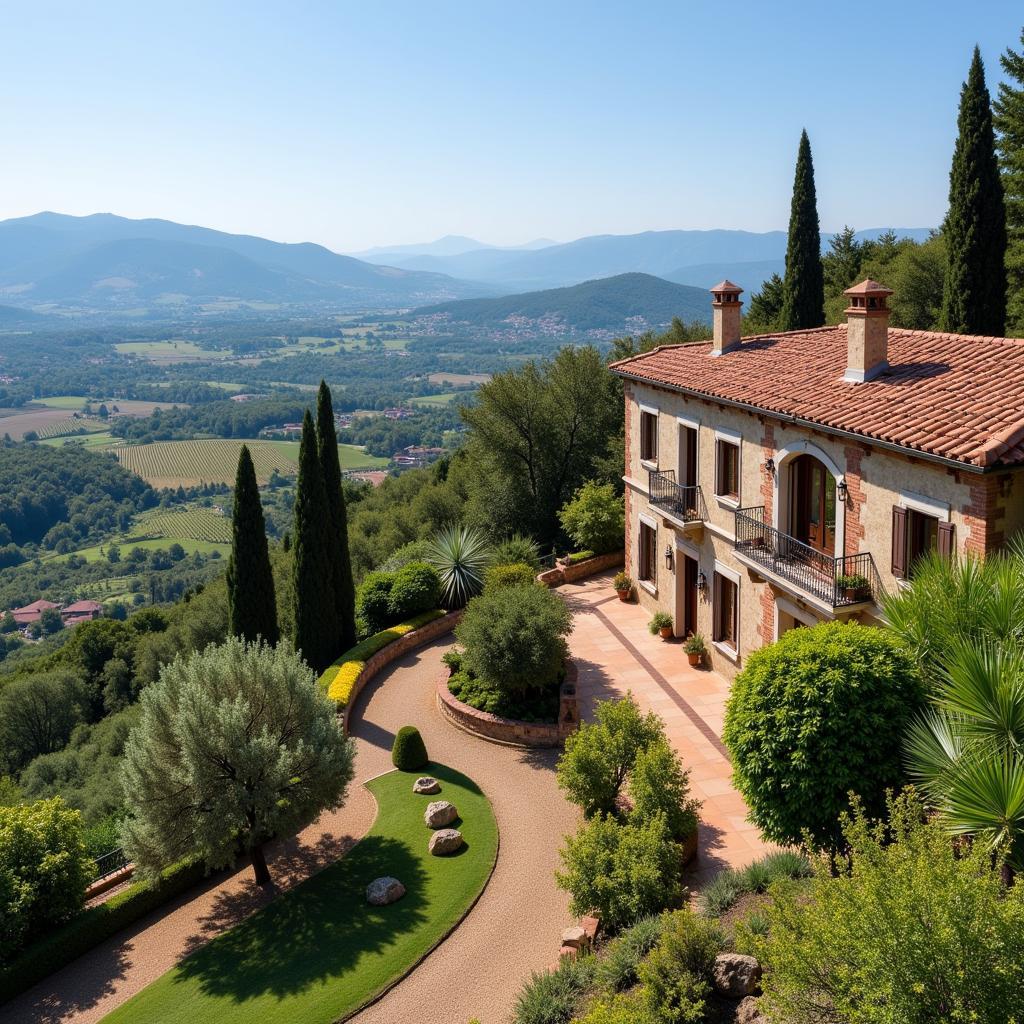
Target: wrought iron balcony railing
{"type": "Point", "coordinates": [108, 863]}
{"type": "Point", "coordinates": [685, 503]}
{"type": "Point", "coordinates": [849, 579]}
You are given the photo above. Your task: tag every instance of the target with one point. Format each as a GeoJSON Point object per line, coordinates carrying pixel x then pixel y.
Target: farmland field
{"type": "Point", "coordinates": [42, 421]}
{"type": "Point", "coordinates": [194, 523]}
{"type": "Point", "coordinates": [125, 406]}
{"type": "Point", "coordinates": [187, 463]}
{"type": "Point", "coordinates": [93, 441]}
{"type": "Point", "coordinates": [458, 378]}
{"type": "Point", "coordinates": [164, 352]}
{"type": "Point", "coordinates": [436, 400]}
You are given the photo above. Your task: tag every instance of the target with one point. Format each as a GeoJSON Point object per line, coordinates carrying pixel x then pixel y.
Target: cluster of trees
{"type": "Point", "coordinates": [222, 418]}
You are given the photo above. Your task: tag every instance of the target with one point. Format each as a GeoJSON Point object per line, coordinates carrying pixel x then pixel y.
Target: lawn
{"type": "Point", "coordinates": [319, 952]}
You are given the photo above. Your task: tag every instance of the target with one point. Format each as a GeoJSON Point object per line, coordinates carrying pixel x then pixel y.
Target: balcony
{"type": "Point", "coordinates": [836, 582]}
{"type": "Point", "coordinates": [683, 504]}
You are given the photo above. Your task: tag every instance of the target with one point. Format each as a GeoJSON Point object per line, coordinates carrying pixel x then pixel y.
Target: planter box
{"type": "Point", "coordinates": [566, 573]}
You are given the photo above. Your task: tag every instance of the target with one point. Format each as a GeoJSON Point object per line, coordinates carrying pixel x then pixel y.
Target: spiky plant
{"type": "Point", "coordinates": [460, 554]}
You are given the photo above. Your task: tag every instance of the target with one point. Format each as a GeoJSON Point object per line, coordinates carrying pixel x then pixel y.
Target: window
{"type": "Point", "coordinates": [648, 436]}
{"type": "Point", "coordinates": [915, 533]}
{"type": "Point", "coordinates": [648, 548]}
{"type": "Point", "coordinates": [726, 611]}
{"type": "Point", "coordinates": [727, 482]}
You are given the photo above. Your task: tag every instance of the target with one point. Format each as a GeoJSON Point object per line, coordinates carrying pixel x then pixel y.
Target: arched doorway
{"type": "Point", "coordinates": [812, 504]}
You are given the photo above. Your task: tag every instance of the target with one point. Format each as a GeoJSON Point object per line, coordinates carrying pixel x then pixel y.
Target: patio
{"type": "Point", "coordinates": [615, 653]}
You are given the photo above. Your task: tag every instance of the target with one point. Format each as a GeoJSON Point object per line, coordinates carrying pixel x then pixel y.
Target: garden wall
{"type": "Point", "coordinates": [509, 730]}
{"type": "Point", "coordinates": [386, 655]}
{"type": "Point", "coordinates": [564, 572]}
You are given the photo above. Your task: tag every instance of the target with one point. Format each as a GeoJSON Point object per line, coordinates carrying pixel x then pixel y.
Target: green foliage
{"type": "Point", "coordinates": [659, 621]}
{"type": "Point", "coordinates": [676, 976]}
{"type": "Point", "coordinates": [621, 872]}
{"type": "Point", "coordinates": [600, 755]}
{"type": "Point", "coordinates": [694, 644]}
{"type": "Point", "coordinates": [594, 518]}
{"type": "Point", "coordinates": [1009, 122]}
{"type": "Point", "coordinates": [974, 298]}
{"type": "Point", "coordinates": [516, 550]}
{"type": "Point", "coordinates": [234, 745]}
{"type": "Point", "coordinates": [316, 619]}
{"type": "Point", "coordinates": [905, 928]}
{"type": "Point", "coordinates": [516, 574]}
{"type": "Point", "coordinates": [803, 302]}
{"type": "Point", "coordinates": [38, 714]}
{"type": "Point", "coordinates": [553, 997]}
{"type": "Point", "coordinates": [415, 588]}
{"type": "Point", "coordinates": [659, 785]}
{"type": "Point", "coordinates": [619, 963]}
{"type": "Point", "coordinates": [61, 945]}
{"type": "Point", "coordinates": [765, 312]}
{"type": "Point", "coordinates": [813, 716]}
{"type": "Point", "coordinates": [408, 752]}
{"type": "Point", "coordinates": [623, 1008]}
{"type": "Point", "coordinates": [44, 871]}
{"type": "Point", "coordinates": [622, 581]}
{"type": "Point", "coordinates": [373, 600]}
{"type": "Point", "coordinates": [339, 562]}
{"type": "Point", "coordinates": [513, 638]}
{"type": "Point", "coordinates": [575, 557]}
{"type": "Point", "coordinates": [460, 555]}
{"type": "Point", "coordinates": [535, 705]}
{"type": "Point", "coordinates": [729, 885]}
{"type": "Point", "coordinates": [252, 605]}
{"type": "Point", "coordinates": [414, 551]}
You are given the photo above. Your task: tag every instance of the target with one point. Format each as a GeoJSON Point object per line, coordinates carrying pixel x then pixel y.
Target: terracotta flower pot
{"type": "Point", "coordinates": [693, 657]}
{"type": "Point", "coordinates": [666, 632]}
{"type": "Point", "coordinates": [623, 595]}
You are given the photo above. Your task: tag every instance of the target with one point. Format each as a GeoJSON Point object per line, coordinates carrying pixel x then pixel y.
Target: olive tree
{"type": "Point", "coordinates": [234, 745]}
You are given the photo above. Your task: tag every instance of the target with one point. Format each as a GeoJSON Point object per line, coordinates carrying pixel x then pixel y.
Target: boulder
{"type": "Point", "coordinates": [382, 891]}
{"type": "Point", "coordinates": [736, 975]}
{"type": "Point", "coordinates": [591, 925]}
{"type": "Point", "coordinates": [440, 814]}
{"type": "Point", "coordinates": [568, 953]}
{"type": "Point", "coordinates": [445, 841]}
{"type": "Point", "coordinates": [748, 1012]}
{"type": "Point", "coordinates": [575, 937]}
{"type": "Point", "coordinates": [426, 786]}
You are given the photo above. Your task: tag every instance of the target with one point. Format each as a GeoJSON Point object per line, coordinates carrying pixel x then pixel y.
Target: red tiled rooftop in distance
{"type": "Point", "coordinates": [958, 397]}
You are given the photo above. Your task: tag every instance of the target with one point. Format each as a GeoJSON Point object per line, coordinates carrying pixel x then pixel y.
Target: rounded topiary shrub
{"type": "Point", "coordinates": [814, 716]}
{"type": "Point", "coordinates": [373, 600]}
{"type": "Point", "coordinates": [513, 638]}
{"type": "Point", "coordinates": [415, 588]}
{"type": "Point", "coordinates": [408, 752]}
{"type": "Point", "coordinates": [516, 574]}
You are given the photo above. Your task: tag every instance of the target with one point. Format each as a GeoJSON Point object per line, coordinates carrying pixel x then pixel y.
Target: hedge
{"type": "Point", "coordinates": [339, 678]}
{"type": "Point", "coordinates": [580, 556]}
{"type": "Point", "coordinates": [93, 926]}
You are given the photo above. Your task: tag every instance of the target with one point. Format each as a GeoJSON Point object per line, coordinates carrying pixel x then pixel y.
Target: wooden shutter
{"type": "Point", "coordinates": [946, 543]}
{"type": "Point", "coordinates": [899, 541]}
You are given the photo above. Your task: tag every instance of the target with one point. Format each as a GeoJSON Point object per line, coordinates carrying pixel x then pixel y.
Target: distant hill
{"type": "Point", "coordinates": [749, 276]}
{"type": "Point", "coordinates": [449, 245]}
{"type": "Point", "coordinates": [104, 261]}
{"type": "Point", "coordinates": [625, 303]}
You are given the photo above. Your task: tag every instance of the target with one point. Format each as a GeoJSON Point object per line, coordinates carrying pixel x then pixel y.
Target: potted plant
{"type": "Point", "coordinates": [853, 586]}
{"type": "Point", "coordinates": [694, 647]}
{"type": "Point", "coordinates": [623, 586]}
{"type": "Point", "coordinates": [661, 623]}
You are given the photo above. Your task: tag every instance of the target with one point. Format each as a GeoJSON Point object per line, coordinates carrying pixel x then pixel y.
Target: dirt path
{"type": "Point", "coordinates": [513, 930]}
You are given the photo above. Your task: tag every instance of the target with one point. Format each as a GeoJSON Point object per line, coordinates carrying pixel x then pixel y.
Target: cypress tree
{"type": "Point", "coordinates": [252, 607]}
{"type": "Point", "coordinates": [316, 626]}
{"type": "Point", "coordinates": [803, 302]}
{"type": "Point", "coordinates": [1009, 122]}
{"type": "Point", "coordinates": [974, 294]}
{"type": "Point", "coordinates": [337, 530]}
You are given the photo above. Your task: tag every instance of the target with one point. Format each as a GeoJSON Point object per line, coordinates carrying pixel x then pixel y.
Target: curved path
{"type": "Point", "coordinates": [513, 930]}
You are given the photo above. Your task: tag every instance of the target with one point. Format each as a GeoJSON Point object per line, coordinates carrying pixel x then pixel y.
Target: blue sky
{"type": "Point", "coordinates": [377, 123]}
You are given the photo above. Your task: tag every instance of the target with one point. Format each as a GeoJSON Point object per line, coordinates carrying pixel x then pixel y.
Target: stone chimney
{"type": "Point", "coordinates": [867, 331]}
{"type": "Point", "coordinates": [725, 316]}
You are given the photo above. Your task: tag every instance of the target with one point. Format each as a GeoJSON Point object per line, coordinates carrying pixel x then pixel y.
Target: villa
{"type": "Point", "coordinates": [781, 480]}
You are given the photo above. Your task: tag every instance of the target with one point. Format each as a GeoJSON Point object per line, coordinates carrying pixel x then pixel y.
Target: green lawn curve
{"type": "Point", "coordinates": [319, 952]}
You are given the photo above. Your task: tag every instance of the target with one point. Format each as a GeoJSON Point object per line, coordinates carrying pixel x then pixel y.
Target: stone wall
{"type": "Point", "coordinates": [565, 572]}
{"type": "Point", "coordinates": [510, 731]}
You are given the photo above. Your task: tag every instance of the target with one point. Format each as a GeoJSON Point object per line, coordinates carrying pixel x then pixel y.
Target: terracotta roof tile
{"type": "Point", "coordinates": [956, 396]}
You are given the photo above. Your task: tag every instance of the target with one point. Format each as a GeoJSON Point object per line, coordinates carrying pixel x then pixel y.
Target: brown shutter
{"type": "Point", "coordinates": [899, 541]}
{"type": "Point", "coordinates": [946, 540]}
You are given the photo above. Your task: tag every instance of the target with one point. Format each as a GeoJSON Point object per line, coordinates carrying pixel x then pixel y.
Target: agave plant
{"type": "Point", "coordinates": [460, 554]}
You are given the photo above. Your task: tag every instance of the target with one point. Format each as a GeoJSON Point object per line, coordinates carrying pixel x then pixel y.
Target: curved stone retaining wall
{"type": "Point", "coordinates": [566, 572]}
{"type": "Point", "coordinates": [386, 655]}
{"type": "Point", "coordinates": [511, 731]}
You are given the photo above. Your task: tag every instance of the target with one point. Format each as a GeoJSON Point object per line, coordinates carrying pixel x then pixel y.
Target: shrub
{"type": "Point", "coordinates": [726, 888]}
{"type": "Point", "coordinates": [414, 551]}
{"type": "Point", "coordinates": [677, 974]}
{"type": "Point", "coordinates": [575, 557]}
{"type": "Point", "coordinates": [373, 600]}
{"type": "Point", "coordinates": [659, 785]}
{"type": "Point", "coordinates": [553, 997]}
{"type": "Point", "coordinates": [621, 872]}
{"type": "Point", "coordinates": [600, 755]}
{"type": "Point", "coordinates": [624, 1008]}
{"type": "Point", "coordinates": [814, 716]}
{"type": "Point", "coordinates": [530, 706]}
{"type": "Point", "coordinates": [619, 963]}
{"type": "Point", "coordinates": [514, 574]}
{"type": "Point", "coordinates": [338, 679]}
{"type": "Point", "coordinates": [44, 870]}
{"type": "Point", "coordinates": [659, 621]}
{"type": "Point", "coordinates": [416, 588]}
{"type": "Point", "coordinates": [514, 637]}
{"type": "Point", "coordinates": [408, 752]}
{"type": "Point", "coordinates": [909, 928]}
{"type": "Point", "coordinates": [460, 554]}
{"type": "Point", "coordinates": [594, 518]}
{"type": "Point", "coordinates": [518, 550]}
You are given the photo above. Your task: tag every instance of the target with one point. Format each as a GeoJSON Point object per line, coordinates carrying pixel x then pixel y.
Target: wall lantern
{"type": "Point", "coordinates": [842, 490]}
{"type": "Point", "coordinates": [668, 557]}
{"type": "Point", "coordinates": [702, 581]}
{"type": "Point", "coordinates": [769, 465]}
